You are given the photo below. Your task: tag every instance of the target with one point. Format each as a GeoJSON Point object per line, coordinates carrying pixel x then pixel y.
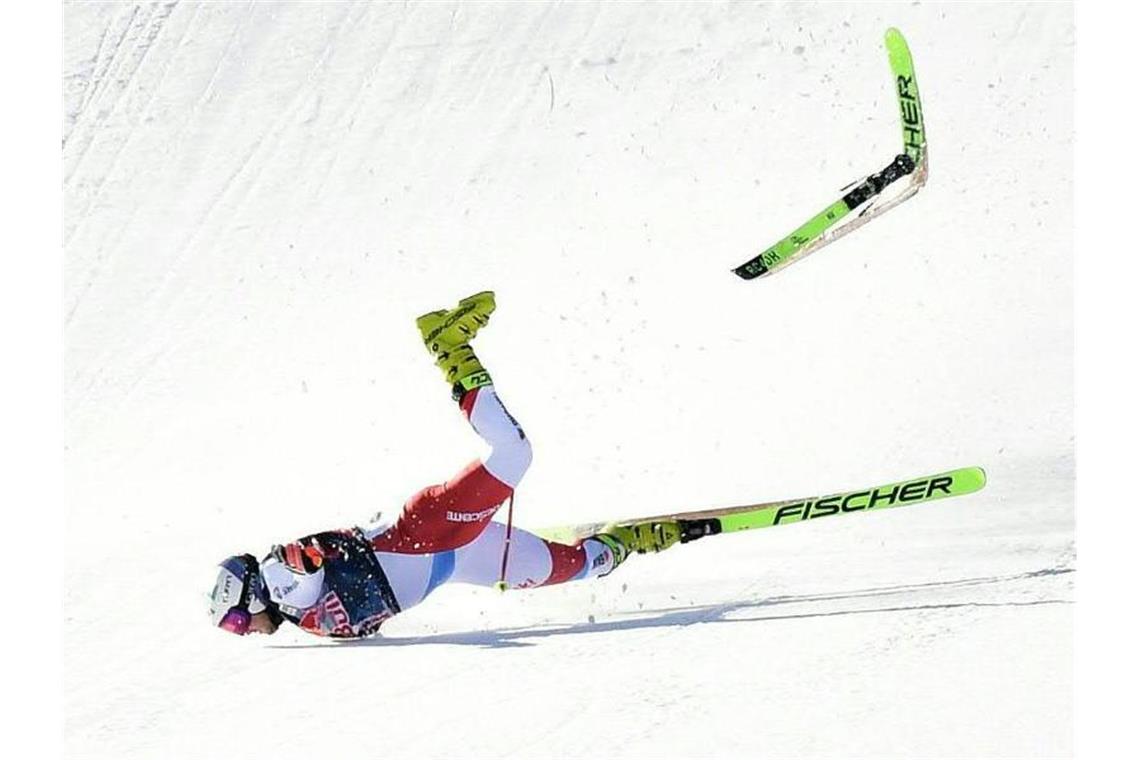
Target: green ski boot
{"type": "Point", "coordinates": [624, 540]}
{"type": "Point", "coordinates": [447, 334]}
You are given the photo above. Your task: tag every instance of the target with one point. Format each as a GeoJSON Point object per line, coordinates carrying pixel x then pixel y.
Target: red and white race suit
{"type": "Point", "coordinates": [444, 534]}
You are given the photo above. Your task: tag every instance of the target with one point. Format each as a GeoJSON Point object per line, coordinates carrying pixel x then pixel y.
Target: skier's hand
{"type": "Point", "coordinates": [301, 558]}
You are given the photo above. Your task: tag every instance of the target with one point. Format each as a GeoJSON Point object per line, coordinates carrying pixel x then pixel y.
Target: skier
{"type": "Point", "coordinates": [345, 583]}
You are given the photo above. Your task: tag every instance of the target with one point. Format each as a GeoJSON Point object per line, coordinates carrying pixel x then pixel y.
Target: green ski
{"type": "Point", "coordinates": [821, 229]}
{"type": "Point", "coordinates": [709, 522]}
{"type": "Point", "coordinates": [910, 105]}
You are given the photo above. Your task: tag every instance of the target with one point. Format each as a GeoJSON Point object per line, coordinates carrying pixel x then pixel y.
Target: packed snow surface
{"type": "Point", "coordinates": [260, 198]}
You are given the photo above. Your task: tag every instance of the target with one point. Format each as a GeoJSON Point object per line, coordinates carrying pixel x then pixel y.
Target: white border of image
{"type": "Point", "coordinates": [1106, 382]}
{"type": "Point", "coordinates": [31, 376]}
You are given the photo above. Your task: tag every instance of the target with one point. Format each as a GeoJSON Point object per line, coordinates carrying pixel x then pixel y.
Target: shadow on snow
{"type": "Point", "coordinates": [713, 613]}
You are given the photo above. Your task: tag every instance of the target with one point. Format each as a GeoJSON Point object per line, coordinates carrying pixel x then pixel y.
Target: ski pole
{"type": "Point", "coordinates": [501, 584]}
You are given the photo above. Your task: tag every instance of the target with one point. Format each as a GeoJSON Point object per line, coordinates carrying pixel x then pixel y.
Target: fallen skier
{"type": "Point", "coordinates": [346, 583]}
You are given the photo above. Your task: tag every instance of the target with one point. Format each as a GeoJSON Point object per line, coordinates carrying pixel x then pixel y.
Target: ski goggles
{"type": "Point", "coordinates": [236, 621]}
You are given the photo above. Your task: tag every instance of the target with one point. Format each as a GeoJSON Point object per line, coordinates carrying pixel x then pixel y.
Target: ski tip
{"type": "Point", "coordinates": [896, 45]}
{"type": "Point", "coordinates": [973, 478]}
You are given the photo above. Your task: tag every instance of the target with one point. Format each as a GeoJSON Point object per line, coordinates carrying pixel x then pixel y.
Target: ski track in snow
{"type": "Point", "coordinates": [260, 197]}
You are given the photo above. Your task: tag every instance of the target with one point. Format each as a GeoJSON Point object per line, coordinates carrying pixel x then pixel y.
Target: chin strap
{"type": "Point", "coordinates": [253, 592]}
{"type": "Point", "coordinates": [274, 613]}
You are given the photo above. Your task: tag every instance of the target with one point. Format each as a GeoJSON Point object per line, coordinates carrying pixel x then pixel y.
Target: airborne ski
{"type": "Point", "coordinates": [699, 524]}
{"type": "Point", "coordinates": [821, 229]}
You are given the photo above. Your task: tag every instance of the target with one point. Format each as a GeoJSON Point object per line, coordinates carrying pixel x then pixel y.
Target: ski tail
{"type": "Point", "coordinates": [811, 235]}
{"type": "Point", "coordinates": [700, 523]}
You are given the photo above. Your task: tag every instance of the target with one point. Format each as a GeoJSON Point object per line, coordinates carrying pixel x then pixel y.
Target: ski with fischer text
{"type": "Point", "coordinates": [709, 522]}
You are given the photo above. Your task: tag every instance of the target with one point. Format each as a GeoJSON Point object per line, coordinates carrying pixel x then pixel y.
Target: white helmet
{"type": "Point", "coordinates": [238, 595]}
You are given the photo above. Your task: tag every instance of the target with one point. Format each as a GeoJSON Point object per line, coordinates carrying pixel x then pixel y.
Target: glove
{"type": "Point", "coordinates": [301, 557]}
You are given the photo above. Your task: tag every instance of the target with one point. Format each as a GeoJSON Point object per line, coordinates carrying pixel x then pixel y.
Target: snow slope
{"type": "Point", "coordinates": [260, 197]}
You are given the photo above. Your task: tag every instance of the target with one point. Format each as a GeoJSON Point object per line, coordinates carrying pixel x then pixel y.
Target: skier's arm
{"type": "Point", "coordinates": [294, 574]}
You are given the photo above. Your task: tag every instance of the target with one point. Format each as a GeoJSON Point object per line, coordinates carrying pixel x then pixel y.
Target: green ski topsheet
{"type": "Point", "coordinates": [810, 233]}
{"type": "Point", "coordinates": [903, 493]}
{"type": "Point", "coordinates": [910, 106]}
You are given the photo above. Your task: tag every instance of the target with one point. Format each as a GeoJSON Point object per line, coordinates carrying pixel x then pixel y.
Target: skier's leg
{"type": "Point", "coordinates": [451, 514]}
{"type": "Point", "coordinates": [510, 454]}
{"type": "Point", "coordinates": [531, 560]}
